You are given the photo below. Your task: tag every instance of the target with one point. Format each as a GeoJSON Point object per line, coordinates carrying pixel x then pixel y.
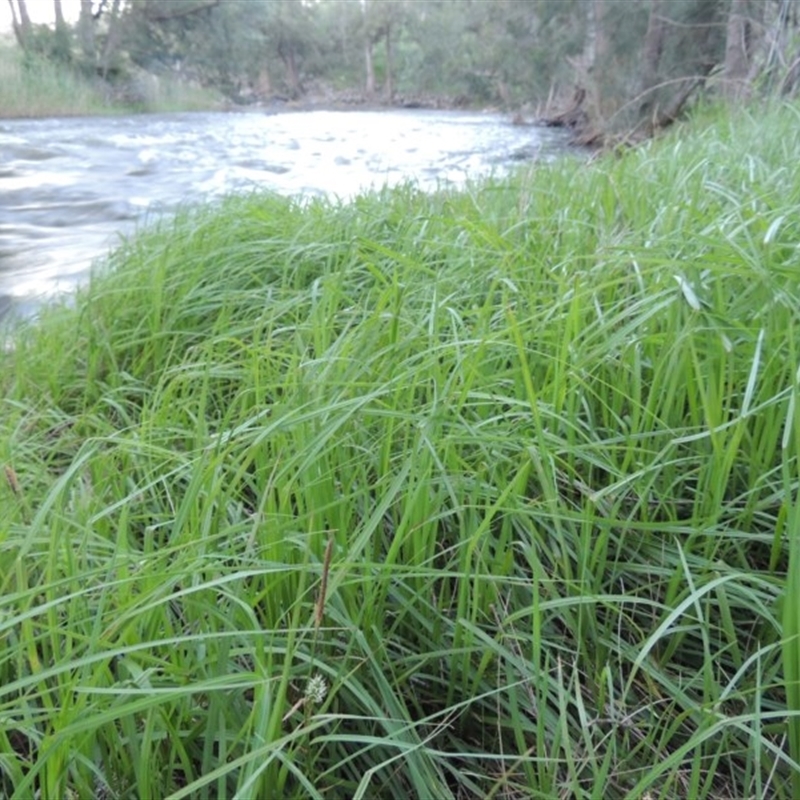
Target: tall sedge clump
{"type": "Point", "coordinates": [791, 646]}
{"type": "Point", "coordinates": [791, 600]}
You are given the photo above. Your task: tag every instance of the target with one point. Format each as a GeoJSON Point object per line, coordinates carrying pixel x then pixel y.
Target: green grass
{"type": "Point", "coordinates": [35, 87]}
{"type": "Point", "coordinates": [512, 470]}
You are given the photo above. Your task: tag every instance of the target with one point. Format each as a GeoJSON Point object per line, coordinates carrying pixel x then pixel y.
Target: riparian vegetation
{"type": "Point", "coordinates": [488, 494]}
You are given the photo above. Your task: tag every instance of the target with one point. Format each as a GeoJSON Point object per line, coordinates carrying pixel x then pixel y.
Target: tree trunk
{"type": "Point", "coordinates": [61, 43]}
{"type": "Point", "coordinates": [292, 76]}
{"type": "Point", "coordinates": [113, 40]}
{"type": "Point", "coordinates": [24, 18]}
{"type": "Point", "coordinates": [597, 49]}
{"type": "Point", "coordinates": [370, 85]}
{"type": "Point", "coordinates": [86, 32]}
{"type": "Point", "coordinates": [20, 23]}
{"type": "Point", "coordinates": [389, 66]}
{"type": "Point", "coordinates": [652, 49]}
{"type": "Point", "coordinates": [59, 13]}
{"type": "Point", "coordinates": [263, 83]}
{"type": "Point", "coordinates": [736, 58]}
{"type": "Point", "coordinates": [601, 41]}
{"type": "Point", "coordinates": [669, 114]}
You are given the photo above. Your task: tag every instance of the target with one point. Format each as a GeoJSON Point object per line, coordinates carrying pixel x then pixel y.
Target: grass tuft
{"type": "Point", "coordinates": [480, 494]}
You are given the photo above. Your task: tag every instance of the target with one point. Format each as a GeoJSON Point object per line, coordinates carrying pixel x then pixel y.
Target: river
{"type": "Point", "coordinates": [70, 188]}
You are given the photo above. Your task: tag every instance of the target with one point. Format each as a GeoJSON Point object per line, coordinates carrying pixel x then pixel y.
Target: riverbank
{"type": "Point", "coordinates": [36, 88]}
{"type": "Point", "coordinates": [71, 187]}
{"type": "Point", "coordinates": [455, 495]}
{"type": "Point", "coordinates": [32, 87]}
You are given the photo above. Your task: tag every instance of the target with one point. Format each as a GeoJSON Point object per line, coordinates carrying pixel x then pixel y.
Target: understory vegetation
{"type": "Point", "coordinates": [33, 86]}
{"type": "Point", "coordinates": [484, 494]}
{"type": "Point", "coordinates": [606, 69]}
{"type": "Point", "coordinates": [37, 88]}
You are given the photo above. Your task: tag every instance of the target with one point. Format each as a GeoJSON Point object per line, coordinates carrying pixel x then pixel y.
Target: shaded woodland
{"type": "Point", "coordinates": [597, 65]}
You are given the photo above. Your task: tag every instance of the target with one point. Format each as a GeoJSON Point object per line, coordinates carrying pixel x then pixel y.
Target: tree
{"type": "Point", "coordinates": [652, 49]}
{"type": "Point", "coordinates": [38, 40]}
{"type": "Point", "coordinates": [289, 30]}
{"type": "Point", "coordinates": [736, 67]}
{"type": "Point", "coordinates": [614, 64]}
{"type": "Point", "coordinates": [59, 14]}
{"type": "Point", "coordinates": [86, 24]}
{"type": "Point", "coordinates": [161, 10]}
{"type": "Point", "coordinates": [61, 44]}
{"type": "Point", "coordinates": [382, 20]}
{"type": "Point", "coordinates": [184, 36]}
{"type": "Point", "coordinates": [113, 40]}
{"type": "Point", "coordinates": [596, 55]}
{"type": "Point", "coordinates": [20, 22]}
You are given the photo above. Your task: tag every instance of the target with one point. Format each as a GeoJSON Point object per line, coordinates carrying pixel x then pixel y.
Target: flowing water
{"type": "Point", "coordinates": [70, 188]}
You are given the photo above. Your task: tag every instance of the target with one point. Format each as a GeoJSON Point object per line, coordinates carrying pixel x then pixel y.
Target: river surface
{"type": "Point", "coordinates": [70, 188]}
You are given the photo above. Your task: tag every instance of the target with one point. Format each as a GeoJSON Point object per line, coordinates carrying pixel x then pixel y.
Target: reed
{"type": "Point", "coordinates": [478, 494]}
{"type": "Point", "coordinates": [32, 86]}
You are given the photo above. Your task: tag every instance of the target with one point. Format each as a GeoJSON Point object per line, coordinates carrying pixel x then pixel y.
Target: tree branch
{"type": "Point", "coordinates": [156, 14]}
